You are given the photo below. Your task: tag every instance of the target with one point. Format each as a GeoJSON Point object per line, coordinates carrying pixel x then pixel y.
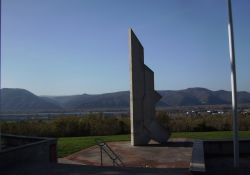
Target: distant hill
{"type": "Point", "coordinates": [116, 100]}
{"type": "Point", "coordinates": [195, 96]}
{"type": "Point", "coordinates": [23, 100]}
{"type": "Point", "coordinates": [201, 96]}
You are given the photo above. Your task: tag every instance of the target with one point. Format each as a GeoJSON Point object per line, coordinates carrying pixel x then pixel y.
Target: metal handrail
{"type": "Point", "coordinates": [111, 154]}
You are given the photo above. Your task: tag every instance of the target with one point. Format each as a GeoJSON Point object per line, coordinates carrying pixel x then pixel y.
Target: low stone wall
{"type": "Point", "coordinates": [205, 149]}
{"type": "Point", "coordinates": [27, 150]}
{"type": "Point", "coordinates": [225, 147]}
{"type": "Point", "coordinates": [197, 163]}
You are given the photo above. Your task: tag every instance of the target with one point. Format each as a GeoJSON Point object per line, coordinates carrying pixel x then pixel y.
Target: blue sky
{"type": "Point", "coordinates": [62, 47]}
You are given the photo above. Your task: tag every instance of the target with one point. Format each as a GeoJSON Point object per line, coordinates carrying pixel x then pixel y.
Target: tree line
{"type": "Point", "coordinates": [97, 124]}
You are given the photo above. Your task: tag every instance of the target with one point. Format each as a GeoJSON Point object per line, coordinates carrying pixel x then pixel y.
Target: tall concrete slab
{"type": "Point", "coordinates": [143, 98]}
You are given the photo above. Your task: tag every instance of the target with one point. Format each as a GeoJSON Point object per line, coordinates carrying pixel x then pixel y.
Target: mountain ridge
{"type": "Point", "coordinates": [20, 100]}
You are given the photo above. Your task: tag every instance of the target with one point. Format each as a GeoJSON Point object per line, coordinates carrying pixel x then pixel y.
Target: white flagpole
{"type": "Point", "coordinates": [0, 74]}
{"type": "Point", "coordinates": [233, 86]}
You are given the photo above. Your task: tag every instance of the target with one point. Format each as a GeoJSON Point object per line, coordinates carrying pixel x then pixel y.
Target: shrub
{"type": "Point", "coordinates": [97, 124]}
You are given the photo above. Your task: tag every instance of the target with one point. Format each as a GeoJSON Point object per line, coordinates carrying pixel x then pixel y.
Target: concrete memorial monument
{"type": "Point", "coordinates": [143, 98]}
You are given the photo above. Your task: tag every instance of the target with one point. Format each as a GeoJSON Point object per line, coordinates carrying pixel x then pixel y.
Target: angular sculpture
{"type": "Point", "coordinates": [143, 98]}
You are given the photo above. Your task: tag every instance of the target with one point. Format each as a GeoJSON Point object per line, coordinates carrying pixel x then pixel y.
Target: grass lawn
{"type": "Point", "coordinates": [69, 145]}
{"type": "Point", "coordinates": [209, 135]}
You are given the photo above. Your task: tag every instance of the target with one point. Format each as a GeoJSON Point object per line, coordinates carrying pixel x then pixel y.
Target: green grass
{"type": "Point", "coordinates": [209, 135]}
{"type": "Point", "coordinates": [69, 145]}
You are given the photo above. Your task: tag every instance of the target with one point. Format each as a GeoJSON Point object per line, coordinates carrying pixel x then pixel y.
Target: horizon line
{"type": "Point", "coordinates": [84, 93]}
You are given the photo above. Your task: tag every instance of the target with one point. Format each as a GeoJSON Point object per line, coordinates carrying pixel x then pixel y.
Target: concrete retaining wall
{"type": "Point", "coordinates": [28, 150]}
{"type": "Point", "coordinates": [225, 147]}
{"type": "Point", "coordinates": [210, 148]}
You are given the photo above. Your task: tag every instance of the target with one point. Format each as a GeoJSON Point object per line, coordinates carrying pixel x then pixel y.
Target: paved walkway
{"type": "Point", "coordinates": [171, 159]}
{"type": "Point", "coordinates": [151, 156]}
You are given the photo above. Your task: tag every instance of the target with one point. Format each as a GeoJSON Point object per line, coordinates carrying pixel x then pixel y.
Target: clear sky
{"type": "Point", "coordinates": [62, 47]}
